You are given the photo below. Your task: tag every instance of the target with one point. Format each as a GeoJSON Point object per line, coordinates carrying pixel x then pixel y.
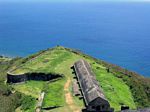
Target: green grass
{"type": "Point", "coordinates": [27, 103]}
{"type": "Point", "coordinates": [32, 88]}
{"type": "Point", "coordinates": [116, 91]}
{"type": "Point", "coordinates": [30, 92]}
{"type": "Point", "coordinates": [8, 101]}
{"type": "Point", "coordinates": [139, 87]}
{"type": "Point", "coordinates": [59, 60]}
{"type": "Point", "coordinates": [54, 94]}
{"type": "Point", "coordinates": [4, 59]}
{"type": "Point", "coordinates": [44, 63]}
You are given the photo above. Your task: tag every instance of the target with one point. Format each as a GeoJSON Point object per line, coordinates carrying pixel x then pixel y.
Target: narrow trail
{"type": "Point", "coordinates": [69, 98]}
{"type": "Point", "coordinates": [40, 101]}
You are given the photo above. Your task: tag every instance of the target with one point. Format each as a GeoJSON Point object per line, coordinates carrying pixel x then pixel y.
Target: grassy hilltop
{"type": "Point", "coordinates": [120, 86]}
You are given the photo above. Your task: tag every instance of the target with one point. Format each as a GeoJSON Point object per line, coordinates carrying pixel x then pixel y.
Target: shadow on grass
{"type": "Point", "coordinates": [51, 107]}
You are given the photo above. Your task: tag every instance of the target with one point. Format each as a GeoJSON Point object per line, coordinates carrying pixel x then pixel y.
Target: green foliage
{"type": "Point", "coordinates": [54, 94]}
{"type": "Point", "coordinates": [30, 88]}
{"type": "Point", "coordinates": [10, 102]}
{"type": "Point", "coordinates": [4, 89]}
{"type": "Point", "coordinates": [4, 59]}
{"type": "Point", "coordinates": [44, 63]}
{"type": "Point", "coordinates": [140, 88]}
{"type": "Point", "coordinates": [138, 85]}
{"type": "Point", "coordinates": [116, 91]}
{"type": "Point", "coordinates": [120, 86]}
{"type": "Point", "coordinates": [28, 103]}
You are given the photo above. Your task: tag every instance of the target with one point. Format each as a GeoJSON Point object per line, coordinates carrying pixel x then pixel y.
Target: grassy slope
{"type": "Point", "coordinates": [4, 59]}
{"type": "Point", "coordinates": [59, 60]}
{"type": "Point", "coordinates": [8, 101]}
{"type": "Point", "coordinates": [9, 98]}
{"type": "Point", "coordinates": [116, 91]}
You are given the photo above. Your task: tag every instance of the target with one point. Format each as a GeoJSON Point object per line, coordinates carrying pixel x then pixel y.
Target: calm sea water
{"type": "Point", "coordinates": [116, 32]}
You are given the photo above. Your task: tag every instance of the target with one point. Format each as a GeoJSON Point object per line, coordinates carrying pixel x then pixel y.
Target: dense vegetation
{"type": "Point", "coordinates": [9, 98]}
{"type": "Point", "coordinates": [121, 87]}
{"type": "Point", "coordinates": [8, 101]}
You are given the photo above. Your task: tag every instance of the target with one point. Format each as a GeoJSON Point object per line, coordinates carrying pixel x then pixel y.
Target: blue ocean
{"type": "Point", "coordinates": [117, 32]}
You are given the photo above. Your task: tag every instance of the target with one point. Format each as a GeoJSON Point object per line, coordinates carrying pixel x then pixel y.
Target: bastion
{"type": "Point", "coordinates": [19, 78]}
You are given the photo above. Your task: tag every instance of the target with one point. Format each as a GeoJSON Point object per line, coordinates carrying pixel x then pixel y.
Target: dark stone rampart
{"type": "Point", "coordinates": [11, 78]}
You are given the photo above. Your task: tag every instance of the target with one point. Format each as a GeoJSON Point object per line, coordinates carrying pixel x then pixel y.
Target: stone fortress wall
{"type": "Point", "coordinates": [12, 78]}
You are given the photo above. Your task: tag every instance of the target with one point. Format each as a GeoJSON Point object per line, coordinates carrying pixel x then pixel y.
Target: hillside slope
{"type": "Point", "coordinates": [120, 86]}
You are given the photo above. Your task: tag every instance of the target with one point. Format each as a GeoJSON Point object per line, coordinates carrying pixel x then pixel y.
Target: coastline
{"type": "Point", "coordinates": [9, 57]}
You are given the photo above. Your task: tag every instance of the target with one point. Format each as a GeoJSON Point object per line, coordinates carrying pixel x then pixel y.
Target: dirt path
{"type": "Point", "coordinates": [40, 101]}
{"type": "Point", "coordinates": [69, 98]}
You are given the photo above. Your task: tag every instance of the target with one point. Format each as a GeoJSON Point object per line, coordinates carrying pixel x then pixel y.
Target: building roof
{"type": "Point", "coordinates": [87, 80]}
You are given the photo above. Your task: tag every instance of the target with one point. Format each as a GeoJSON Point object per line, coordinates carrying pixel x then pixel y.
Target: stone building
{"type": "Point", "coordinates": [94, 98]}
